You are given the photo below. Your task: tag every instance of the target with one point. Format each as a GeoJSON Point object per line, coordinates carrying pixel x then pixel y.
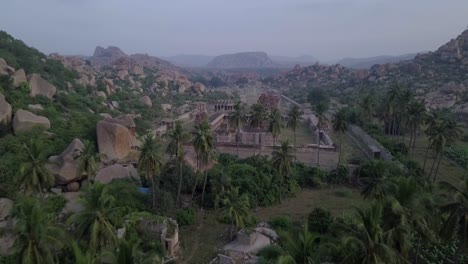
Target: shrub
{"type": "Point", "coordinates": [343, 193]}
{"type": "Point", "coordinates": [281, 223]}
{"type": "Point", "coordinates": [338, 176]}
{"type": "Point", "coordinates": [185, 216]}
{"type": "Point", "coordinates": [54, 204]}
{"type": "Point", "coordinates": [270, 254]}
{"type": "Point", "coordinates": [319, 220]}
{"type": "Point", "coordinates": [127, 194]}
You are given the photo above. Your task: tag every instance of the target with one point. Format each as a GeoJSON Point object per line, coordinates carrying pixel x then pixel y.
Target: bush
{"type": "Point", "coordinates": [127, 194]}
{"type": "Point", "coordinates": [270, 254]}
{"type": "Point", "coordinates": [54, 204]}
{"type": "Point", "coordinates": [280, 223]}
{"type": "Point", "coordinates": [185, 216]}
{"type": "Point", "coordinates": [319, 220]}
{"type": "Point", "coordinates": [343, 193]}
{"type": "Point", "coordinates": [338, 176]}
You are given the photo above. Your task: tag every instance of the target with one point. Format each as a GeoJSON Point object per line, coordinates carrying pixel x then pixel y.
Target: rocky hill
{"type": "Point", "coordinates": [242, 60]}
{"type": "Point", "coordinates": [440, 77]}
{"type": "Point", "coordinates": [365, 63]}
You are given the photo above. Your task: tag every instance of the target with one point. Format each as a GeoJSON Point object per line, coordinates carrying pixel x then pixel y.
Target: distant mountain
{"type": "Point", "coordinates": [286, 61]}
{"type": "Point", "coordinates": [242, 60]}
{"type": "Point", "coordinates": [365, 63]}
{"type": "Point", "coordinates": [188, 60]}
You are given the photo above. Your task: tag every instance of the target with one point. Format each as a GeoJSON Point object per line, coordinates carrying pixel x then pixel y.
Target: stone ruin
{"type": "Point", "coordinates": [370, 146]}
{"type": "Point", "coordinates": [166, 231]}
{"type": "Point", "coordinates": [269, 100]}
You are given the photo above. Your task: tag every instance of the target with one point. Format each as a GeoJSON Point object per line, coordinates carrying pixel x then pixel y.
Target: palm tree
{"type": "Point", "coordinates": [203, 143]}
{"type": "Point", "coordinates": [176, 147]}
{"type": "Point", "coordinates": [237, 119]}
{"type": "Point", "coordinates": [367, 242]}
{"type": "Point", "coordinates": [257, 117]}
{"type": "Point", "coordinates": [37, 238]}
{"type": "Point", "coordinates": [301, 246]}
{"type": "Point", "coordinates": [150, 161]}
{"type": "Point", "coordinates": [416, 114]}
{"type": "Point", "coordinates": [282, 160]}
{"type": "Point", "coordinates": [367, 108]}
{"type": "Point", "coordinates": [340, 124]}
{"type": "Point", "coordinates": [431, 121]}
{"type": "Point", "coordinates": [33, 173]}
{"type": "Point", "coordinates": [457, 210]}
{"type": "Point", "coordinates": [235, 207]}
{"type": "Point", "coordinates": [274, 124]}
{"type": "Point", "coordinates": [128, 251]}
{"type": "Point", "coordinates": [82, 257]}
{"type": "Point", "coordinates": [293, 118]}
{"type": "Point", "coordinates": [320, 110]}
{"type": "Point", "coordinates": [88, 160]}
{"type": "Point", "coordinates": [95, 223]}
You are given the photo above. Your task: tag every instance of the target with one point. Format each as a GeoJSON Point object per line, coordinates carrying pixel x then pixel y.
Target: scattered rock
{"type": "Point", "coordinates": [19, 77]}
{"type": "Point", "coordinates": [116, 171]}
{"type": "Point", "coordinates": [7, 244]}
{"type": "Point", "coordinates": [72, 205]}
{"type": "Point", "coordinates": [40, 86]}
{"type": "Point", "coordinates": [56, 190]}
{"type": "Point", "coordinates": [64, 167]}
{"type": "Point", "coordinates": [5, 111]}
{"type": "Point", "coordinates": [101, 94]}
{"type": "Point", "coordinates": [199, 87]}
{"type": "Point", "coordinates": [138, 70]}
{"type": "Point", "coordinates": [146, 101]}
{"type": "Point", "coordinates": [35, 107]}
{"type": "Point", "coordinates": [5, 208]}
{"type": "Point", "coordinates": [24, 121]}
{"type": "Point", "coordinates": [73, 187]}
{"type": "Point", "coordinates": [115, 104]}
{"type": "Point", "coordinates": [110, 89]}
{"type": "Point", "coordinates": [122, 74]}
{"type": "Point", "coordinates": [105, 115]}
{"type": "Point", "coordinates": [166, 107]}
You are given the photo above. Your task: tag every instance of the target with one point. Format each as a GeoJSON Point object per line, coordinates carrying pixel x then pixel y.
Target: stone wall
{"type": "Point", "coordinates": [370, 146]}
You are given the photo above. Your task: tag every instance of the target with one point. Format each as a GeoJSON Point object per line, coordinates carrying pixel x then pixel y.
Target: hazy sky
{"type": "Point", "coordinates": [326, 29]}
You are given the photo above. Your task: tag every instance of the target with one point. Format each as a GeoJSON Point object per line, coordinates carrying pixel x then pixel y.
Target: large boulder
{"type": "Point", "coordinates": [137, 70]}
{"type": "Point", "coordinates": [116, 171]}
{"type": "Point", "coordinates": [24, 121]}
{"type": "Point", "coordinates": [5, 208]}
{"type": "Point", "coordinates": [19, 77]}
{"type": "Point", "coordinates": [145, 100]}
{"type": "Point", "coordinates": [101, 94]}
{"type": "Point", "coordinates": [64, 167]}
{"type": "Point", "coordinates": [40, 86]}
{"type": "Point", "coordinates": [199, 87]}
{"type": "Point", "coordinates": [5, 111]}
{"type": "Point", "coordinates": [4, 68]}
{"type": "Point", "coordinates": [116, 137]}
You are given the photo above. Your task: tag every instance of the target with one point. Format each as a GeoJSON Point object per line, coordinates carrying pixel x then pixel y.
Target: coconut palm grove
{"type": "Point", "coordinates": [131, 158]}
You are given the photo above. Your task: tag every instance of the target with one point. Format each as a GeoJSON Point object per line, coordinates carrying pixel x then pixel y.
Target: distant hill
{"type": "Point", "coordinates": [286, 61]}
{"type": "Point", "coordinates": [188, 60]}
{"type": "Point", "coordinates": [365, 63]}
{"type": "Point", "coordinates": [242, 60]}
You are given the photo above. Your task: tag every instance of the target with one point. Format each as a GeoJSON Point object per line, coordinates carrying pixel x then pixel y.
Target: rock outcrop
{"type": "Point", "coordinates": [39, 86]}
{"type": "Point", "coordinates": [116, 137]}
{"type": "Point", "coordinates": [242, 60]}
{"type": "Point", "coordinates": [116, 171]}
{"type": "Point", "coordinates": [5, 111]}
{"type": "Point", "coordinates": [64, 167]}
{"type": "Point", "coordinates": [199, 87]}
{"type": "Point", "coordinates": [145, 100]}
{"type": "Point", "coordinates": [24, 121]}
{"type": "Point", "coordinates": [19, 77]}
{"type": "Point", "coordinates": [5, 208]}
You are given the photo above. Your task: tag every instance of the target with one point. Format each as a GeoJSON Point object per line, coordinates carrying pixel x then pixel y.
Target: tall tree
{"type": "Point", "coordinates": [274, 124]}
{"type": "Point", "coordinates": [176, 147]}
{"type": "Point", "coordinates": [366, 106]}
{"type": "Point", "coordinates": [88, 160]}
{"type": "Point", "coordinates": [340, 125]}
{"type": "Point", "coordinates": [320, 111]}
{"type": "Point", "coordinates": [150, 161]}
{"type": "Point", "coordinates": [416, 114]}
{"type": "Point", "coordinates": [367, 242]}
{"type": "Point", "coordinates": [95, 223]}
{"type": "Point", "coordinates": [301, 246]}
{"type": "Point", "coordinates": [431, 121]}
{"type": "Point", "coordinates": [237, 119]}
{"type": "Point", "coordinates": [282, 159]}
{"type": "Point", "coordinates": [204, 145]}
{"type": "Point", "coordinates": [293, 118]}
{"type": "Point", "coordinates": [257, 116]}
{"type": "Point", "coordinates": [37, 237]}
{"type": "Point", "coordinates": [33, 173]}
{"type": "Point", "coordinates": [456, 223]}
{"type": "Point", "coordinates": [235, 207]}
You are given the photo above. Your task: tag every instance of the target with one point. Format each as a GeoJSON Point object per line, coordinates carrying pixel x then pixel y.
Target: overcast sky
{"type": "Point", "coordinates": [326, 29]}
